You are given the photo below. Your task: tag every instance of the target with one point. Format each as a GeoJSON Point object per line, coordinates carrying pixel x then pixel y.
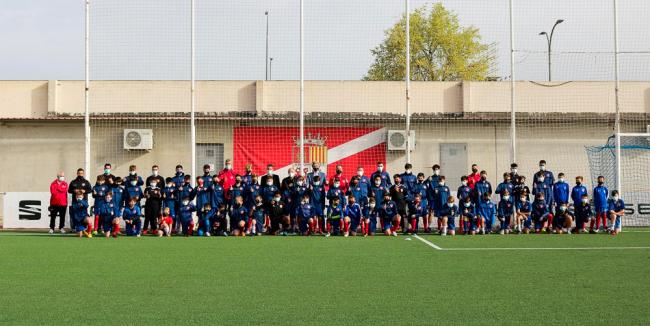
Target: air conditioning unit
{"type": "Point", "coordinates": [138, 139]}
{"type": "Point", "coordinates": [397, 140]}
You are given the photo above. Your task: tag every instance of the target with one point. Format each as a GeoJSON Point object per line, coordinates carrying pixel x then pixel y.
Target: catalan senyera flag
{"type": "Point", "coordinates": [280, 146]}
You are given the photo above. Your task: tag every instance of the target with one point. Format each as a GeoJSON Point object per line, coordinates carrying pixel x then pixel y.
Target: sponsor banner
{"type": "Point", "coordinates": [637, 209]}
{"type": "Point", "coordinates": [280, 146]}
{"type": "Point", "coordinates": [27, 210]}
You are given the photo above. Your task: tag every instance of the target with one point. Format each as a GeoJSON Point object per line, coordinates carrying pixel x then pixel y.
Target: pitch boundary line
{"type": "Point", "coordinates": [427, 242]}
{"type": "Point", "coordinates": [436, 247]}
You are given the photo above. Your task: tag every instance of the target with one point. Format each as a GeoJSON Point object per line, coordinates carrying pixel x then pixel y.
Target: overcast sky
{"type": "Point", "coordinates": [149, 39]}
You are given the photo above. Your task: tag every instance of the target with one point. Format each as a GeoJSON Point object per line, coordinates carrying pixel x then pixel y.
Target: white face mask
{"type": "Point", "coordinates": [377, 183]}
{"type": "Point", "coordinates": [436, 172]}
{"type": "Point", "coordinates": [408, 171]}
{"type": "Point", "coordinates": [522, 199]}
{"type": "Point", "coordinates": [185, 202]}
{"type": "Point", "coordinates": [360, 173]}
{"type": "Point", "coordinates": [467, 204]}
{"type": "Point", "coordinates": [615, 198]}
{"type": "Point", "coordinates": [269, 183]}
{"type": "Point", "coordinates": [506, 197]}
{"type": "Point", "coordinates": [133, 183]}
{"type": "Point", "coordinates": [170, 184]}
{"type": "Point", "coordinates": [292, 174]}
{"type": "Point", "coordinates": [562, 208]}
{"type": "Point", "coordinates": [300, 183]}
{"type": "Point", "coordinates": [442, 183]}
{"type": "Point", "coordinates": [336, 184]}
{"type": "Point", "coordinates": [269, 172]}
{"type": "Point", "coordinates": [464, 183]}
{"type": "Point", "coordinates": [380, 168]}
{"type": "Point", "coordinates": [61, 178]}
{"type": "Point", "coordinates": [132, 172]}
{"type": "Point", "coordinates": [513, 170]}
{"type": "Point", "coordinates": [277, 199]}
{"type": "Point", "coordinates": [154, 172]}
{"type": "Point", "coordinates": [450, 204]}
{"type": "Point", "coordinates": [542, 167]}
{"type": "Point", "coordinates": [560, 179]}
{"type": "Point", "coordinates": [228, 166]}
{"type": "Point", "coordinates": [585, 200]}
{"type": "Point", "coordinates": [154, 185]}
{"type": "Point", "coordinates": [316, 183]}
{"type": "Point", "coordinates": [109, 199]}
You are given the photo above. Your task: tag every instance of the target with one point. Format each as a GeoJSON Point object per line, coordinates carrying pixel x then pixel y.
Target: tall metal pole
{"type": "Point", "coordinates": [408, 83]}
{"type": "Point", "coordinates": [302, 89]}
{"type": "Point", "coordinates": [266, 65]}
{"type": "Point", "coordinates": [513, 121]}
{"type": "Point", "coordinates": [549, 40]}
{"type": "Point", "coordinates": [270, 68]}
{"type": "Point", "coordinates": [192, 95]}
{"type": "Point", "coordinates": [86, 92]}
{"type": "Point", "coordinates": [616, 97]}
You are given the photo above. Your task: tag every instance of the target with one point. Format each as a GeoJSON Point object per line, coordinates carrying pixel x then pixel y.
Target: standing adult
{"type": "Point", "coordinates": [474, 177]}
{"type": "Point", "coordinates": [383, 175]}
{"type": "Point", "coordinates": [270, 176]}
{"type": "Point", "coordinates": [133, 175]}
{"type": "Point", "coordinates": [155, 177]}
{"type": "Point", "coordinates": [345, 183]}
{"type": "Point", "coordinates": [78, 184]}
{"type": "Point", "coordinates": [58, 201]}
{"type": "Point", "coordinates": [108, 176]}
{"type": "Point", "coordinates": [227, 178]}
{"type": "Point", "coordinates": [316, 171]}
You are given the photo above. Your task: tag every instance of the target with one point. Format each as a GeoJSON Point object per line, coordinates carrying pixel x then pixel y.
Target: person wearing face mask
{"type": "Point", "coordinates": [133, 191]}
{"type": "Point", "coordinates": [107, 215]}
{"type": "Point", "coordinates": [359, 191]}
{"type": "Point", "coordinates": [108, 176]}
{"type": "Point", "coordinates": [344, 183]}
{"type": "Point", "coordinates": [383, 175]}
{"type": "Point", "coordinates": [270, 176]}
{"type": "Point", "coordinates": [600, 204]}
{"type": "Point", "coordinates": [463, 191]}
{"type": "Point", "coordinates": [514, 174]}
{"type": "Point", "coordinates": [388, 213]}
{"type": "Point", "coordinates": [247, 178]}
{"type": "Point", "coordinates": [183, 190]}
{"type": "Point", "coordinates": [486, 211]}
{"type": "Point", "coordinates": [152, 206]}
{"type": "Point", "coordinates": [257, 217]}
{"type": "Point", "coordinates": [433, 179]}
{"type": "Point", "coordinates": [335, 191]}
{"type": "Point", "coordinates": [155, 176]}
{"type": "Point", "coordinates": [370, 216]}
{"type": "Point", "coordinates": [118, 197]}
{"type": "Point", "coordinates": [541, 214]}
{"type": "Point", "coordinates": [217, 193]}
{"type": "Point", "coordinates": [616, 207]}
{"type": "Point", "coordinates": [364, 181]}
{"type": "Point", "coordinates": [133, 175]}
{"type": "Point", "coordinates": [377, 192]}
{"type": "Point", "coordinates": [251, 191]}
{"type": "Point", "coordinates": [521, 189]}
{"type": "Point", "coordinates": [79, 213]}
{"type": "Point", "coordinates": [169, 195]}
{"type": "Point", "coordinates": [541, 186]}
{"type": "Point", "coordinates": [317, 197]}
{"type": "Point", "coordinates": [504, 186]}
{"type": "Point", "coordinates": [448, 215]}
{"type": "Point", "coordinates": [439, 196]}
{"type": "Point", "coordinates": [467, 213]}
{"type": "Point", "coordinates": [563, 219]}
{"type": "Point", "coordinates": [408, 179]}
{"type": "Point", "coordinates": [578, 190]}
{"type": "Point", "coordinates": [299, 190]}
{"type": "Point", "coordinates": [316, 171]}
{"type": "Point", "coordinates": [398, 193]}
{"type": "Point", "coordinates": [99, 191]}
{"type": "Point", "coordinates": [417, 211]}
{"type": "Point", "coordinates": [473, 177]}
{"type": "Point", "coordinates": [227, 177]}
{"type": "Point", "coordinates": [185, 216]}
{"type": "Point", "coordinates": [58, 201]}
{"type": "Point", "coordinates": [236, 190]}
{"type": "Point", "coordinates": [560, 192]}
{"type": "Point", "coordinates": [132, 219]}
{"type": "Point", "coordinates": [505, 212]}
{"type": "Point", "coordinates": [280, 222]}
{"type": "Point", "coordinates": [81, 185]}
{"type": "Point", "coordinates": [583, 214]}
{"type": "Point", "coordinates": [543, 176]}
{"type": "Point", "coordinates": [482, 187]}
{"type": "Point", "coordinates": [207, 177]}
{"type": "Point", "coordinates": [523, 209]}
{"type": "Point", "coordinates": [287, 183]}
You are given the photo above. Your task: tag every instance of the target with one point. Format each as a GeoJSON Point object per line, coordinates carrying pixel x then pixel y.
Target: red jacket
{"type": "Point", "coordinates": [59, 192]}
{"type": "Point", "coordinates": [227, 178]}
{"type": "Point", "coordinates": [345, 183]}
{"type": "Point", "coordinates": [472, 179]}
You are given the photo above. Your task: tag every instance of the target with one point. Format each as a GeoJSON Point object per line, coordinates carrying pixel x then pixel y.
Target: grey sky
{"type": "Point", "coordinates": [149, 39]}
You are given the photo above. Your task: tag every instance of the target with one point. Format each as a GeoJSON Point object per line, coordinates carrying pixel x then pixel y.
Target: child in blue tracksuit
{"type": "Point", "coordinates": [468, 216]}
{"type": "Point", "coordinates": [334, 216]}
{"type": "Point", "coordinates": [217, 193]}
{"type": "Point", "coordinates": [80, 215]}
{"type": "Point", "coordinates": [504, 186]}
{"type": "Point", "coordinates": [133, 191]}
{"type": "Point", "coordinates": [563, 219]}
{"type": "Point", "coordinates": [440, 196]}
{"type": "Point", "coordinates": [417, 210]}
{"type": "Point", "coordinates": [389, 215]}
{"type": "Point", "coordinates": [583, 214]}
{"type": "Point", "coordinates": [118, 196]}
{"type": "Point", "coordinates": [601, 194]}
{"type": "Point", "coordinates": [353, 216]}
{"type": "Point", "coordinates": [185, 216]}
{"type": "Point", "coordinates": [251, 191]}
{"type": "Point", "coordinates": [106, 211]}
{"type": "Point", "coordinates": [486, 211]}
{"type": "Point", "coordinates": [317, 199]}
{"type": "Point", "coordinates": [370, 217]}
{"type": "Point", "coordinates": [238, 217]}
{"type": "Point", "coordinates": [578, 191]}
{"type": "Point", "coordinates": [99, 192]}
{"type": "Point", "coordinates": [257, 218]}
{"type": "Point", "coordinates": [305, 213]}
{"type": "Point", "coordinates": [506, 211]}
{"type": "Point", "coordinates": [463, 192]}
{"type": "Point", "coordinates": [523, 212]}
{"type": "Point", "coordinates": [541, 213]}
{"type": "Point", "coordinates": [560, 192]}
{"type": "Point", "coordinates": [205, 216]}
{"type": "Point", "coordinates": [359, 191]}
{"type": "Point", "coordinates": [449, 214]}
{"type": "Point", "coordinates": [202, 196]}
{"type": "Point", "coordinates": [169, 197]}
{"type": "Point", "coordinates": [482, 187]}
{"type": "Point", "coordinates": [616, 212]}
{"type": "Point", "coordinates": [131, 216]}
{"type": "Point", "coordinates": [183, 189]}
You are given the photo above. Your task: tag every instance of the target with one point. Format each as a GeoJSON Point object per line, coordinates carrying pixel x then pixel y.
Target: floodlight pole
{"type": "Point", "coordinates": [266, 76]}
{"type": "Point", "coordinates": [616, 95]}
{"type": "Point", "coordinates": [86, 91]}
{"type": "Point", "coordinates": [513, 121]}
{"type": "Point", "coordinates": [408, 83]}
{"type": "Point", "coordinates": [192, 88]}
{"type": "Point", "coordinates": [302, 89]}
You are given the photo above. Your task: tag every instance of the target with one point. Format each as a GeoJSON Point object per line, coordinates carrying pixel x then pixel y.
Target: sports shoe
{"type": "Point", "coordinates": [89, 235]}
{"type": "Point", "coordinates": [62, 231]}
{"type": "Point", "coordinates": [207, 234]}
{"type": "Point", "coordinates": [346, 235]}
{"type": "Point", "coordinates": [138, 235]}
{"type": "Point", "coordinates": [395, 233]}
{"type": "Point", "coordinates": [51, 231]}
{"type": "Point", "coordinates": [327, 234]}
{"type": "Point", "coordinates": [94, 233]}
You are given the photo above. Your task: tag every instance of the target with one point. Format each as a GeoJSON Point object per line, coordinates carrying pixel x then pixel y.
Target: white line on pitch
{"type": "Point", "coordinates": [427, 242]}
{"type": "Point", "coordinates": [577, 248]}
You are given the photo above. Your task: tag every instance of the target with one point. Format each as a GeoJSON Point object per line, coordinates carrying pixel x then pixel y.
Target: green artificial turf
{"type": "Point", "coordinates": [316, 280]}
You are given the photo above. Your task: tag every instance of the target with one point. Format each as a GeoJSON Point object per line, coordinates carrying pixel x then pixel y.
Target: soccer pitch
{"type": "Point", "coordinates": [527, 279]}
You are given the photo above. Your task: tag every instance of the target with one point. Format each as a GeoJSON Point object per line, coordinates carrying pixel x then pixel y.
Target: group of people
{"type": "Point", "coordinates": [229, 203]}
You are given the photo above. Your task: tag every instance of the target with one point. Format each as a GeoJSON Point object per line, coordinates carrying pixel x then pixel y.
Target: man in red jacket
{"type": "Point", "coordinates": [344, 182]}
{"type": "Point", "coordinates": [474, 177]}
{"type": "Point", "coordinates": [58, 201]}
{"type": "Point", "coordinates": [227, 177]}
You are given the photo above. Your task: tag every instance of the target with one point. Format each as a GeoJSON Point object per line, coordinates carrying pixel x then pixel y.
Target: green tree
{"type": "Point", "coordinates": [441, 49]}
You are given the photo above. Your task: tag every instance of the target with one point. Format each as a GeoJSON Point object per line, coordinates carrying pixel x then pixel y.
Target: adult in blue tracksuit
{"type": "Point", "coordinates": [207, 178]}
{"type": "Point", "coordinates": [118, 196]}
{"type": "Point", "coordinates": [317, 198]}
{"type": "Point", "coordinates": [383, 176]}
{"type": "Point", "coordinates": [316, 171]}
{"type": "Point", "coordinates": [544, 176]}
{"type": "Point", "coordinates": [218, 194]}
{"type": "Point", "coordinates": [541, 213]}
{"type": "Point", "coordinates": [421, 187]}
{"type": "Point", "coordinates": [169, 197]}
{"type": "Point", "coordinates": [408, 180]}
{"type": "Point", "coordinates": [364, 181]}
{"type": "Point", "coordinates": [440, 196]}
{"type": "Point", "coordinates": [578, 191]}
{"type": "Point", "coordinates": [178, 179]}
{"type": "Point", "coordinates": [336, 192]}
{"type": "Point", "coordinates": [464, 190]}
{"type": "Point", "coordinates": [481, 188]}
{"type": "Point", "coordinates": [601, 193]}
{"type": "Point", "coordinates": [504, 186]}
{"type": "Point", "coordinates": [435, 177]}
{"type": "Point", "coordinates": [560, 193]}
{"type": "Point", "coordinates": [131, 216]}
{"type": "Point", "coordinates": [360, 192]}
{"type": "Point", "coordinates": [202, 195]}
{"type": "Point", "coordinates": [487, 211]}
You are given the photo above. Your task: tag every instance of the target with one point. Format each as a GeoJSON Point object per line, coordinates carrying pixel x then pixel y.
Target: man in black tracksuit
{"type": "Point", "coordinates": [152, 206]}
{"type": "Point", "coordinates": [79, 183]}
